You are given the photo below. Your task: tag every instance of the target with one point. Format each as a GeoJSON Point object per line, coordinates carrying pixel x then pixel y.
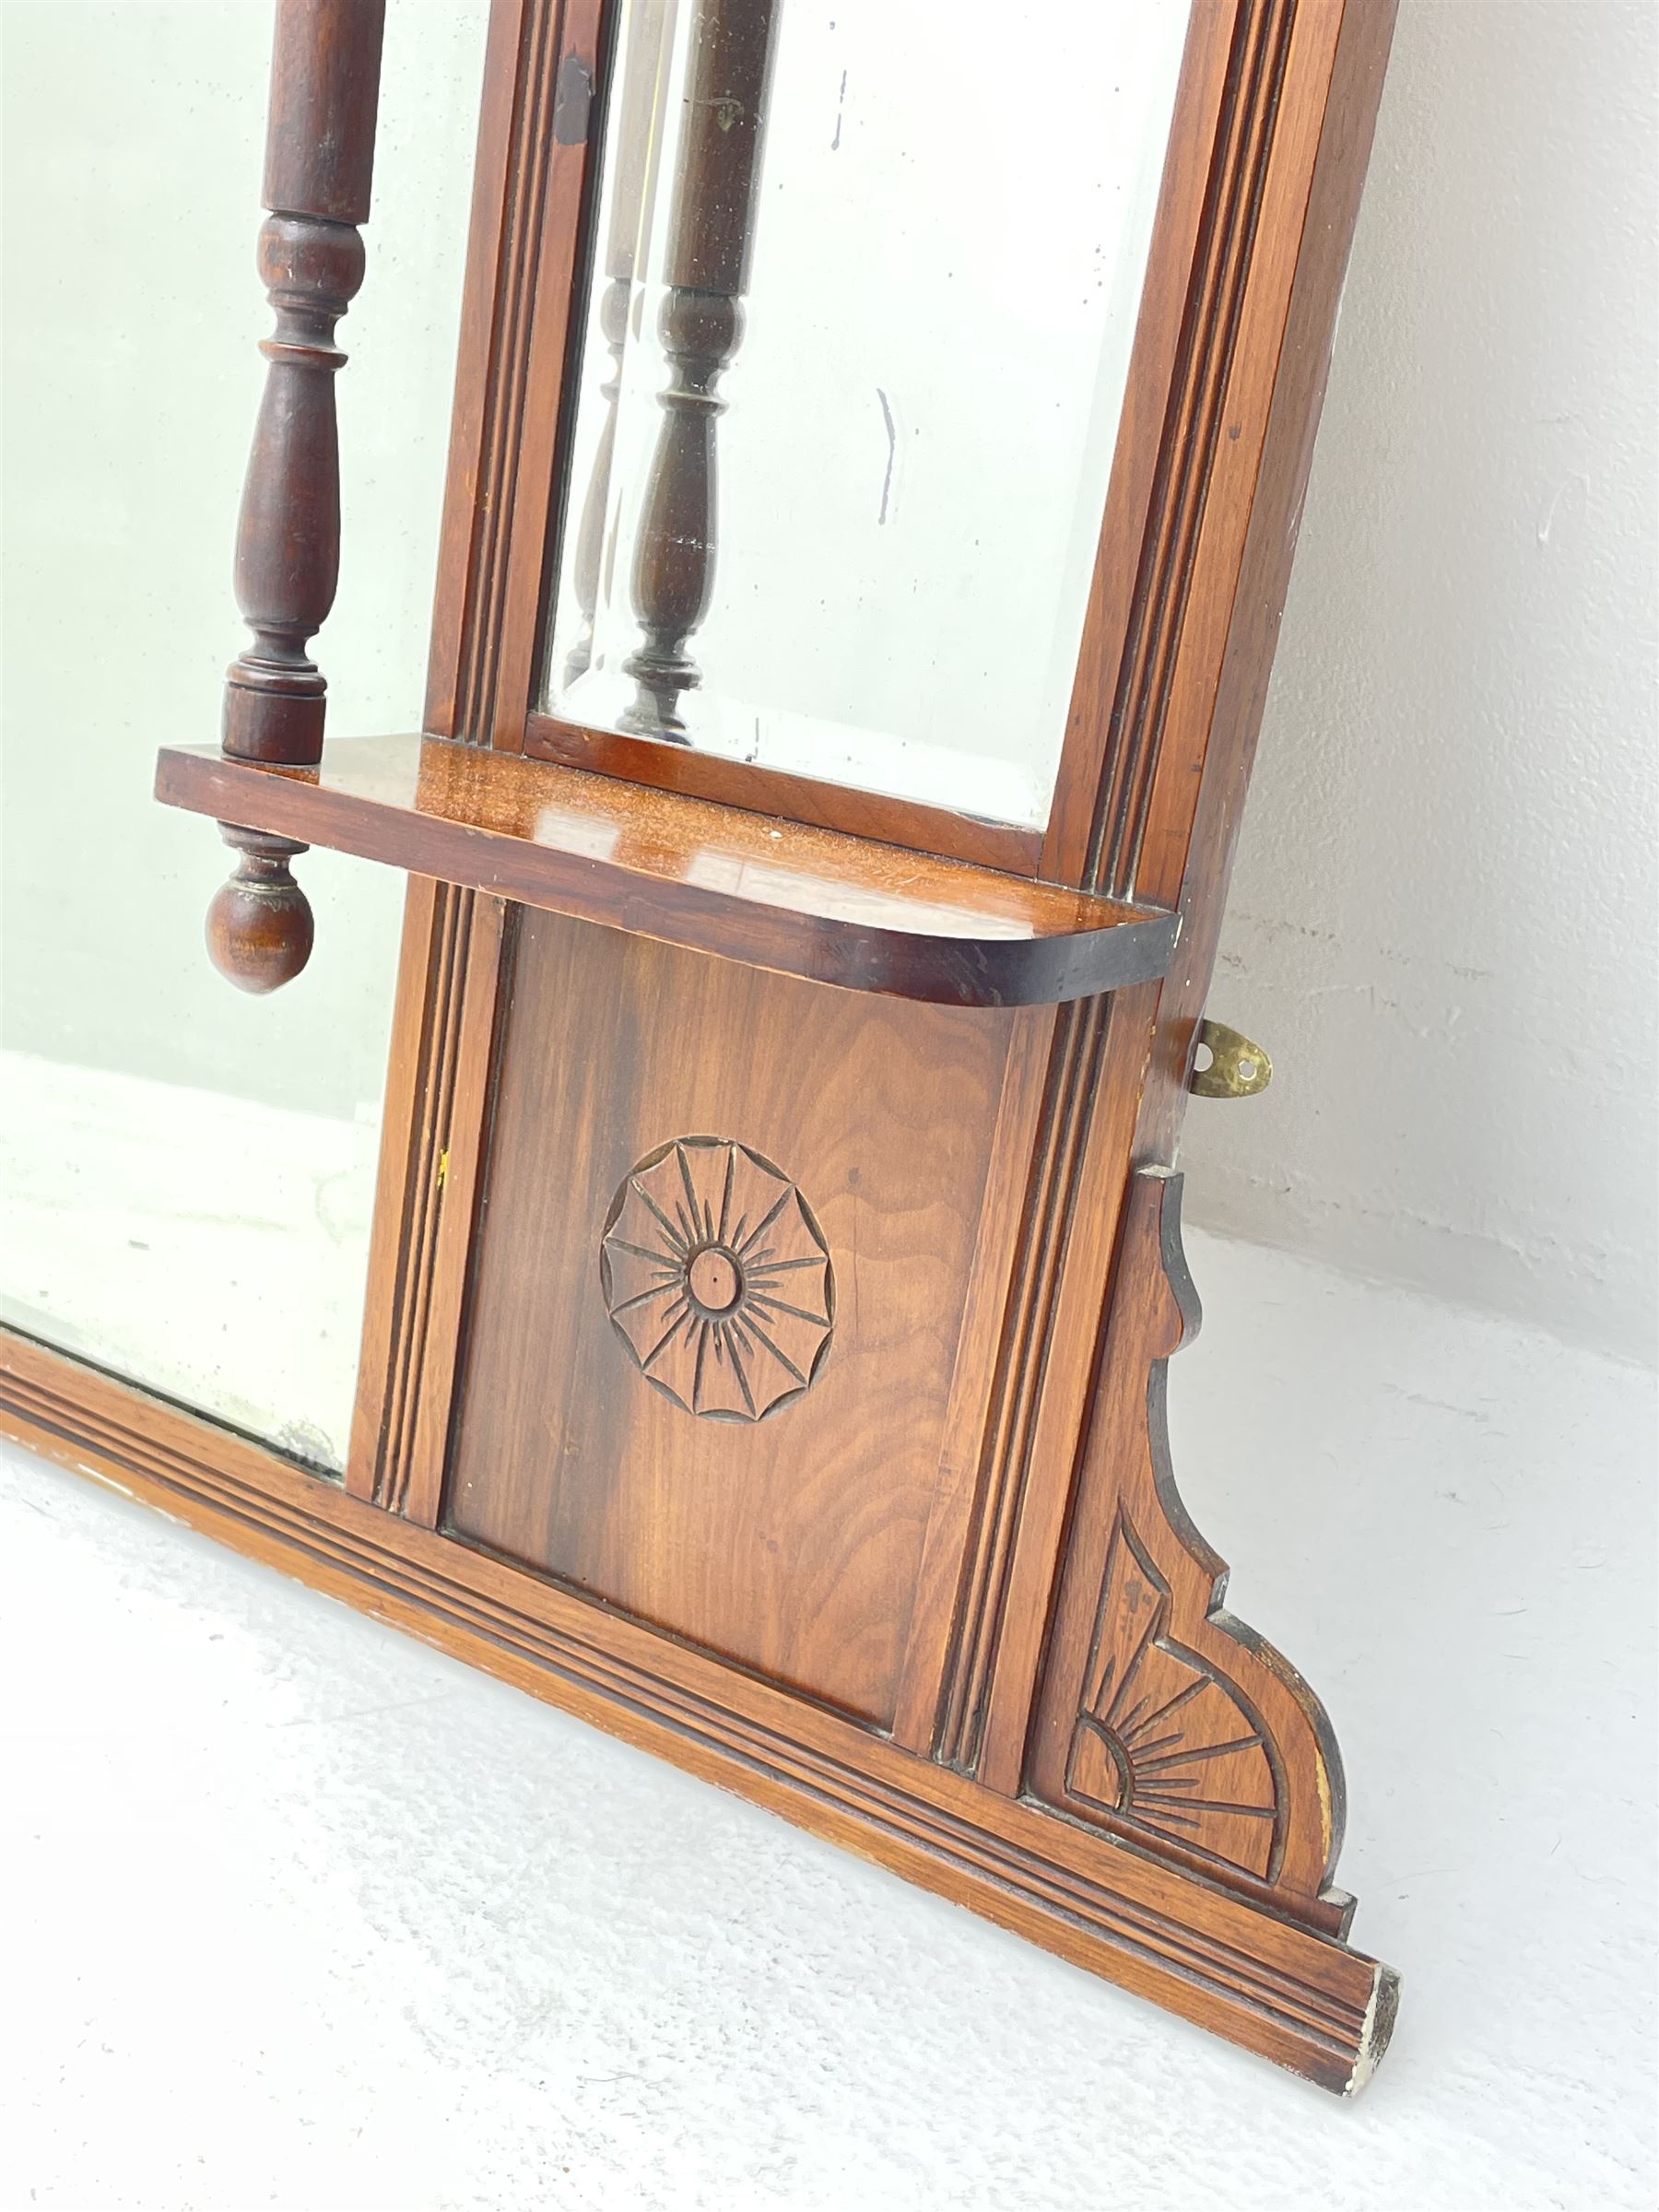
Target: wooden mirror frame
{"type": "Point", "coordinates": [1222, 84]}
{"type": "Point", "coordinates": [1061, 1602]}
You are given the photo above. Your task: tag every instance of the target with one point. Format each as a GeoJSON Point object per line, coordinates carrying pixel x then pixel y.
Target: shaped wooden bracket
{"type": "Point", "coordinates": [1163, 1719]}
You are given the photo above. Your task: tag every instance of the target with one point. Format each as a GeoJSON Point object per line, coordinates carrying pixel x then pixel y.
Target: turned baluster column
{"type": "Point", "coordinates": [637, 147]}
{"type": "Point", "coordinates": [701, 322]}
{"type": "Point", "coordinates": [319, 161]}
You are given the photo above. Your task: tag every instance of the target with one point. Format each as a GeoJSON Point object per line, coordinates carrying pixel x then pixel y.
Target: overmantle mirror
{"type": "Point", "coordinates": [879, 439]}
{"type": "Point", "coordinates": [863, 293]}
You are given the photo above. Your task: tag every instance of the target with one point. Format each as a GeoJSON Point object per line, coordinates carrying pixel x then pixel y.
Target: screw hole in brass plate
{"type": "Point", "coordinates": [1237, 1068]}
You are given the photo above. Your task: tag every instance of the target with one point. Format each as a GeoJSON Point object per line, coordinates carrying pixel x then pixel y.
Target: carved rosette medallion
{"type": "Point", "coordinates": [717, 1278]}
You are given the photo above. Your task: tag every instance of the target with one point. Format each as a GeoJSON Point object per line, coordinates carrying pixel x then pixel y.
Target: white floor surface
{"type": "Point", "coordinates": [301, 1913]}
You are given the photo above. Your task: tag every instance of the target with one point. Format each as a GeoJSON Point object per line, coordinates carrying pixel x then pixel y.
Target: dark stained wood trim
{"type": "Point", "coordinates": [1224, 426]}
{"type": "Point", "coordinates": [781, 896]}
{"type": "Point", "coordinates": [473, 497]}
{"type": "Point", "coordinates": [324, 98]}
{"type": "Point", "coordinates": [325, 65]}
{"type": "Point", "coordinates": [1285, 1991]}
{"type": "Point", "coordinates": [520, 172]}
{"type": "Point", "coordinates": [538, 362]}
{"type": "Point", "coordinates": [1084, 1154]}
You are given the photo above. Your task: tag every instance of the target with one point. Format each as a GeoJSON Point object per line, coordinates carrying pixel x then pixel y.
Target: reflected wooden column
{"type": "Point", "coordinates": [635, 160]}
{"type": "Point", "coordinates": [319, 163]}
{"type": "Point", "coordinates": [701, 322]}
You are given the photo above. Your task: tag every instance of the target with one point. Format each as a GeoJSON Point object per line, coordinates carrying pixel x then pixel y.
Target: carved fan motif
{"type": "Point", "coordinates": [1163, 1742]}
{"type": "Point", "coordinates": [717, 1278]}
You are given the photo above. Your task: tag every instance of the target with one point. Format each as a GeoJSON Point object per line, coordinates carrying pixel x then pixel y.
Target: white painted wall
{"type": "Point", "coordinates": [1442, 919]}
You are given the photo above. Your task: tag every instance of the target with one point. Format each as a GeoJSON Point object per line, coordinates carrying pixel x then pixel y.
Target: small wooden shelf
{"type": "Point", "coordinates": [778, 895]}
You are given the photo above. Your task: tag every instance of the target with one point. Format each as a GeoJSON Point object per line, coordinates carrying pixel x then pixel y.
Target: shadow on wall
{"type": "Point", "coordinates": [1441, 919]}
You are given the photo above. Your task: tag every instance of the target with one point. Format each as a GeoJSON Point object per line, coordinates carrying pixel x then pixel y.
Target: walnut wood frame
{"type": "Point", "coordinates": [1010, 1776]}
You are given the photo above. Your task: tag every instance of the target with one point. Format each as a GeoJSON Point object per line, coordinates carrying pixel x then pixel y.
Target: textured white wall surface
{"type": "Point", "coordinates": [1442, 919]}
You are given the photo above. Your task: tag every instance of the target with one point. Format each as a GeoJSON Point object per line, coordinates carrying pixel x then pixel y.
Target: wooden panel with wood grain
{"type": "Point", "coordinates": [749, 1461]}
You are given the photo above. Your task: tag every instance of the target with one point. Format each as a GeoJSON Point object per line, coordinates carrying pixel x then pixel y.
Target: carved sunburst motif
{"type": "Point", "coordinates": [717, 1278]}
{"type": "Point", "coordinates": [1163, 1742]}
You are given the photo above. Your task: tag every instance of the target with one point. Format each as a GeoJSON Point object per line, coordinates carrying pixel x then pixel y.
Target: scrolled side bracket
{"type": "Point", "coordinates": [319, 166]}
{"type": "Point", "coordinates": [1165, 1719]}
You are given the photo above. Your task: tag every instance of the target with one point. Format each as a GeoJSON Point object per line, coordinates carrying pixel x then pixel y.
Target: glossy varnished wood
{"type": "Point", "coordinates": [791, 1542]}
{"type": "Point", "coordinates": [804, 901]}
{"type": "Point", "coordinates": [319, 167]}
{"type": "Point", "coordinates": [871, 814]}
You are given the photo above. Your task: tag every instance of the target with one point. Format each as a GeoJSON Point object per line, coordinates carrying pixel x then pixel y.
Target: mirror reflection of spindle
{"type": "Point", "coordinates": [638, 162]}
{"type": "Point", "coordinates": [700, 323]}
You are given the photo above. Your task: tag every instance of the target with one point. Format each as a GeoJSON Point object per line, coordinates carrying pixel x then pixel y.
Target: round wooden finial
{"type": "Point", "coordinates": [259, 926]}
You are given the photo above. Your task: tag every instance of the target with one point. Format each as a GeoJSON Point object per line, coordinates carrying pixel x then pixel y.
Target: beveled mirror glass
{"type": "Point", "coordinates": [863, 291]}
{"type": "Point", "coordinates": [187, 1174]}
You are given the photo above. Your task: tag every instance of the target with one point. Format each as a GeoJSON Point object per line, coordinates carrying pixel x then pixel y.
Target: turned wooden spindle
{"type": "Point", "coordinates": [701, 322]}
{"type": "Point", "coordinates": [635, 160]}
{"type": "Point", "coordinates": [319, 164]}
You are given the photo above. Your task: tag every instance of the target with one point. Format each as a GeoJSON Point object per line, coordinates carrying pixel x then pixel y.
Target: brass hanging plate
{"type": "Point", "coordinates": [1238, 1068]}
